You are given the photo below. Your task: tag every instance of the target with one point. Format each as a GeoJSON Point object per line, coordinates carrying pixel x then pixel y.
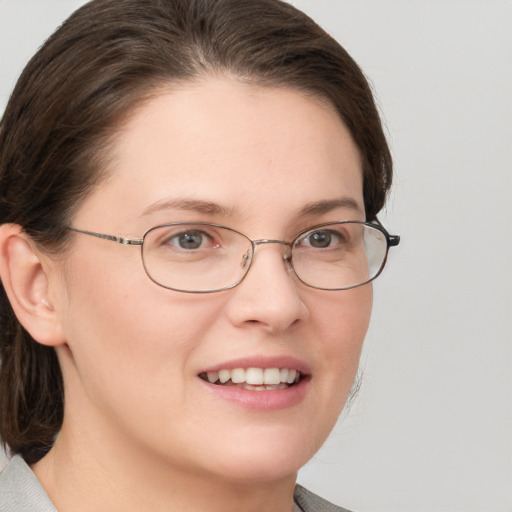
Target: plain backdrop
{"type": "Point", "coordinates": [431, 429]}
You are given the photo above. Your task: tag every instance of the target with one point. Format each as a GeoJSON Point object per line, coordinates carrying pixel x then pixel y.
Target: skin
{"type": "Point", "coordinates": [141, 430]}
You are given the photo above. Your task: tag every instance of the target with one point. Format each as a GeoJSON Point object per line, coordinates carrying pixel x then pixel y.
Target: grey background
{"type": "Point", "coordinates": [431, 428]}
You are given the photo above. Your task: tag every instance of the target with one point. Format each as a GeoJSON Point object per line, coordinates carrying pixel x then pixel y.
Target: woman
{"type": "Point", "coordinates": [239, 147]}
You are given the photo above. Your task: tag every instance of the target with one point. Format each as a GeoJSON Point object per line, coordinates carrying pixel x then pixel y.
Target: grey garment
{"type": "Point", "coordinates": [20, 491]}
{"type": "Point", "coordinates": [309, 502]}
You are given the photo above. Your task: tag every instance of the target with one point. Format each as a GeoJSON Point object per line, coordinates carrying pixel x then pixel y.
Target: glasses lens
{"type": "Point", "coordinates": [340, 255]}
{"type": "Point", "coordinates": [196, 257]}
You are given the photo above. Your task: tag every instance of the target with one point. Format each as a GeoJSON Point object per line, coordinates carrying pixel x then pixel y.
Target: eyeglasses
{"type": "Point", "coordinates": [202, 257]}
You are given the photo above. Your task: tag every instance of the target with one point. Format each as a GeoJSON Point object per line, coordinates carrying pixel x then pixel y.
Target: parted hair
{"type": "Point", "coordinates": [105, 61]}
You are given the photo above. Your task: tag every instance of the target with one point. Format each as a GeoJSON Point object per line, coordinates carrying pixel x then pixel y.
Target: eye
{"type": "Point", "coordinates": [321, 239]}
{"type": "Point", "coordinates": [190, 240]}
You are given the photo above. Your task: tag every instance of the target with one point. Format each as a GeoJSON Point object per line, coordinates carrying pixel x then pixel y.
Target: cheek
{"type": "Point", "coordinates": [344, 321]}
{"type": "Point", "coordinates": [344, 318]}
{"type": "Point", "coordinates": [338, 323]}
{"type": "Point", "coordinates": [125, 332]}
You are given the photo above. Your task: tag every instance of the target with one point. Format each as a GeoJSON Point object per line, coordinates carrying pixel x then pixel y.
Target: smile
{"type": "Point", "coordinates": [254, 379]}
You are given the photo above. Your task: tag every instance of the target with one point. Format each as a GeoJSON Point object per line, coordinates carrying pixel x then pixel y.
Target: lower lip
{"type": "Point", "coordinates": [274, 400]}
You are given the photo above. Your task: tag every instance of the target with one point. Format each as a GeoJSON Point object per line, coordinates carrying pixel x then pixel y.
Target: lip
{"type": "Point", "coordinates": [273, 400]}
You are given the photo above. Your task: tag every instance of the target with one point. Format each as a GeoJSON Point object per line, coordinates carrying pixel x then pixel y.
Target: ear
{"type": "Point", "coordinates": [25, 279]}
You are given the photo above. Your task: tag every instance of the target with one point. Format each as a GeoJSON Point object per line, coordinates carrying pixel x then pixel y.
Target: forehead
{"type": "Point", "coordinates": [246, 148]}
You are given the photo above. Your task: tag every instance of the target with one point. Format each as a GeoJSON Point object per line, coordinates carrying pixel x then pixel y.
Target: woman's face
{"type": "Point", "coordinates": [269, 163]}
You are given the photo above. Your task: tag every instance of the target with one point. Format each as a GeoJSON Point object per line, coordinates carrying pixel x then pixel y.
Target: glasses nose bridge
{"type": "Point", "coordinates": [287, 253]}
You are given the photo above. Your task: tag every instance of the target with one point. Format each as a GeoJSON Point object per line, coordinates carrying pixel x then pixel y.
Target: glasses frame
{"type": "Point", "coordinates": [391, 240]}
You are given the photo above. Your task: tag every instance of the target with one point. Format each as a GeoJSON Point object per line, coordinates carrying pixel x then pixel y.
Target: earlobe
{"type": "Point", "coordinates": [24, 277]}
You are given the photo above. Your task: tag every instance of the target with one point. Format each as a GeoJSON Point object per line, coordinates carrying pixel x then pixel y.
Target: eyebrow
{"type": "Point", "coordinates": [211, 208]}
{"type": "Point", "coordinates": [328, 205]}
{"type": "Point", "coordinates": [193, 205]}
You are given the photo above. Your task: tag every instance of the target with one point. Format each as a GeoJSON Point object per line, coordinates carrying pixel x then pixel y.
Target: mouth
{"type": "Point", "coordinates": [255, 379]}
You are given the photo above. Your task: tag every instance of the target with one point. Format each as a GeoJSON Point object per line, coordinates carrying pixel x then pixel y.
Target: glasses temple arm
{"type": "Point", "coordinates": [112, 238]}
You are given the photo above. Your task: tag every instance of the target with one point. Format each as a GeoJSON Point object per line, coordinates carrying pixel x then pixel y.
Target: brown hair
{"type": "Point", "coordinates": [103, 62]}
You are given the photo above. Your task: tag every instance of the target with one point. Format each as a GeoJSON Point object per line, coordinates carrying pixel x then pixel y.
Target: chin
{"type": "Point", "coordinates": [255, 470]}
{"type": "Point", "coordinates": [265, 456]}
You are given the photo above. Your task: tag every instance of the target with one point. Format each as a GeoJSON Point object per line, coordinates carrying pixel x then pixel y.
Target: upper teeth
{"type": "Point", "coordinates": [255, 376]}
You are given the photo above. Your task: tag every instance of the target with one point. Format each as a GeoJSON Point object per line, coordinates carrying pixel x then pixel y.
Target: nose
{"type": "Point", "coordinates": [268, 297]}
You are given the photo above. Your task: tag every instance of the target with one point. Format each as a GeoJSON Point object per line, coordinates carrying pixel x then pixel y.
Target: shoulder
{"type": "Point", "coordinates": [310, 502]}
{"type": "Point", "coordinates": [20, 490]}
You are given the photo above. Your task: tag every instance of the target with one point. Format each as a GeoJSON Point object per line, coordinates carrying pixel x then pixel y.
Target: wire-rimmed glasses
{"type": "Point", "coordinates": [202, 257]}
